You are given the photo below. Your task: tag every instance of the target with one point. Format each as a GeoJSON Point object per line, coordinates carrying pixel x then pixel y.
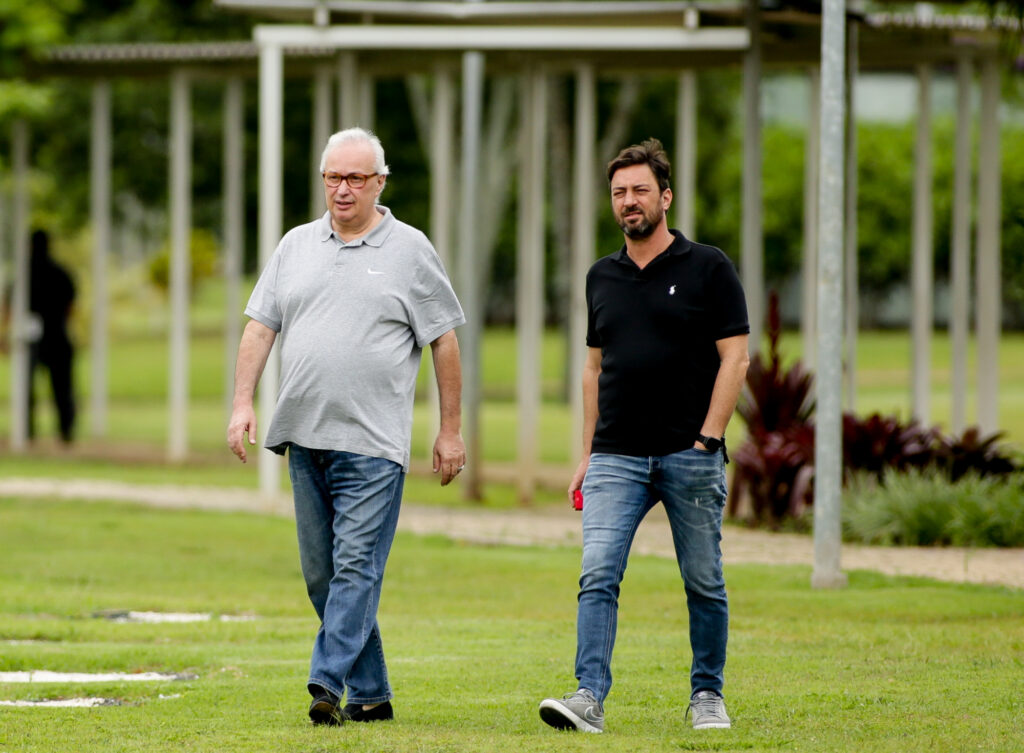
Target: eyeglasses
{"type": "Point", "coordinates": [354, 180]}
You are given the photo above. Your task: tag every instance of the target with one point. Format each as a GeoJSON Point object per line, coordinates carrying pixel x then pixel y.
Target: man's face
{"type": "Point", "coordinates": [637, 202]}
{"type": "Point", "coordinates": [352, 209]}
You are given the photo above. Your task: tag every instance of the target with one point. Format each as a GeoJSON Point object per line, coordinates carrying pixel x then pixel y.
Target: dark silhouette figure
{"type": "Point", "coordinates": [51, 296]}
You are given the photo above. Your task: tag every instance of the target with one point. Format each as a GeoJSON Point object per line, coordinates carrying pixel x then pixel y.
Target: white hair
{"type": "Point", "coordinates": [357, 134]}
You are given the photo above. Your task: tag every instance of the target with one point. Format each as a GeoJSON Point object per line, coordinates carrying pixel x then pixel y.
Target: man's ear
{"type": "Point", "coordinates": [666, 199]}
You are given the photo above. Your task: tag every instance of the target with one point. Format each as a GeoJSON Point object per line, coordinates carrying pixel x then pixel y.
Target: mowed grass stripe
{"type": "Point", "coordinates": [477, 636]}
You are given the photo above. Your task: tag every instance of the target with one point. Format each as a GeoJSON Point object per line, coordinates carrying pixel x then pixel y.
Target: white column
{"type": "Point", "coordinates": [5, 250]}
{"type": "Point", "coordinates": [348, 90]}
{"type": "Point", "coordinates": [233, 228]}
{"type": "Point", "coordinates": [367, 100]}
{"type": "Point", "coordinates": [686, 153]}
{"type": "Point", "coordinates": [469, 278]}
{"type": "Point", "coordinates": [530, 276]}
{"type": "Point", "coordinates": [960, 251]}
{"type": "Point", "coordinates": [922, 263]}
{"type": "Point", "coordinates": [809, 267]}
{"type": "Point", "coordinates": [19, 336]}
{"type": "Point", "coordinates": [851, 289]}
{"type": "Point", "coordinates": [441, 157]}
{"type": "Point", "coordinates": [828, 427]}
{"type": "Point", "coordinates": [989, 298]}
{"type": "Point", "coordinates": [752, 235]}
{"type": "Point", "coordinates": [180, 264]}
{"type": "Point", "coordinates": [584, 222]}
{"type": "Point", "coordinates": [99, 211]}
{"type": "Point", "coordinates": [271, 106]}
{"type": "Point", "coordinates": [321, 131]}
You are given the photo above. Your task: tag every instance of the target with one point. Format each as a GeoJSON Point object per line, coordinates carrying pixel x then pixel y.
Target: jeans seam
{"type": "Point", "coordinates": [602, 686]}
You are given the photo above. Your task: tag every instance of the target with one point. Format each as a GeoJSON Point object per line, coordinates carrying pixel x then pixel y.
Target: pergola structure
{"type": "Point", "coordinates": [343, 45]}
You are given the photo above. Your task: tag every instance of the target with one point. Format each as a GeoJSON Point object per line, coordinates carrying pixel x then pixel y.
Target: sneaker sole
{"type": "Point", "coordinates": [325, 713]}
{"type": "Point", "coordinates": [714, 725]}
{"type": "Point", "coordinates": [559, 717]}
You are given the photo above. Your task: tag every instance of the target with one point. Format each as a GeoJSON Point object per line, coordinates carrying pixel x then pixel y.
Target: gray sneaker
{"type": "Point", "coordinates": [709, 711]}
{"type": "Point", "coordinates": [579, 710]}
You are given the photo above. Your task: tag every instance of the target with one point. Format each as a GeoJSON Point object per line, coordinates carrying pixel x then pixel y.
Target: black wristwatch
{"type": "Point", "coordinates": [713, 444]}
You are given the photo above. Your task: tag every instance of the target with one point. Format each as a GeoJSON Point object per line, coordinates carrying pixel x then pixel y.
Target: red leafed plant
{"type": "Point", "coordinates": [775, 465]}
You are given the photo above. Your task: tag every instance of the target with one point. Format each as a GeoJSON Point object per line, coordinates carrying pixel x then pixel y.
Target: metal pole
{"type": "Point", "coordinates": [828, 437]}
{"type": "Point", "coordinates": [271, 108]}
{"type": "Point", "coordinates": [852, 288]}
{"type": "Point", "coordinates": [530, 276]}
{"type": "Point", "coordinates": [99, 197]}
{"type": "Point", "coordinates": [180, 264]}
{"type": "Point", "coordinates": [809, 271]}
{"type": "Point", "coordinates": [960, 261]}
{"type": "Point", "coordinates": [367, 100]}
{"type": "Point", "coordinates": [752, 240]}
{"type": "Point", "coordinates": [321, 131]}
{"type": "Point", "coordinates": [922, 264]}
{"type": "Point", "coordinates": [442, 128]}
{"type": "Point", "coordinates": [686, 151]}
{"type": "Point", "coordinates": [20, 335]}
{"type": "Point", "coordinates": [233, 230]}
{"type": "Point", "coordinates": [469, 273]}
{"type": "Point", "coordinates": [583, 242]}
{"type": "Point", "coordinates": [348, 90]}
{"type": "Point", "coordinates": [989, 283]}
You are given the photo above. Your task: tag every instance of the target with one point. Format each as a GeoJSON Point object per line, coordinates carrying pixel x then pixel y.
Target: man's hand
{"type": "Point", "coordinates": [577, 477]}
{"type": "Point", "coordinates": [449, 456]}
{"type": "Point", "coordinates": [243, 421]}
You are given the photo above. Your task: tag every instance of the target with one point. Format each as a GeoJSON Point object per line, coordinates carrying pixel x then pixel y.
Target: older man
{"type": "Point", "coordinates": [354, 296]}
{"type": "Point", "coordinates": [667, 337]}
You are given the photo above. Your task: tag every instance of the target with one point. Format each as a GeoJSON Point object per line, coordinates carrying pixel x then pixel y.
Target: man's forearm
{"type": "Point", "coordinates": [732, 373]}
{"type": "Point", "coordinates": [253, 352]}
{"type": "Point", "coordinates": [591, 375]}
{"type": "Point", "coordinates": [448, 371]}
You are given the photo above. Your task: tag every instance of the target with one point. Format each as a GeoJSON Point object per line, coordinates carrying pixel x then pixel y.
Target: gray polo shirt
{"type": "Point", "coordinates": [352, 320]}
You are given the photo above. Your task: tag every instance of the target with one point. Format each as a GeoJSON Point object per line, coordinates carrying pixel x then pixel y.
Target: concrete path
{"type": "Point", "coordinates": [561, 527]}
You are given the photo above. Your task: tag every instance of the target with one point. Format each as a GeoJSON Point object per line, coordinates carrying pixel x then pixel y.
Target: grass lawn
{"type": "Point", "coordinates": [476, 637]}
{"type": "Point", "coordinates": [138, 389]}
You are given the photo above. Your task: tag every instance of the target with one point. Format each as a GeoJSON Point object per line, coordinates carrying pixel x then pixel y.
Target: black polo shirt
{"type": "Point", "coordinates": [656, 328]}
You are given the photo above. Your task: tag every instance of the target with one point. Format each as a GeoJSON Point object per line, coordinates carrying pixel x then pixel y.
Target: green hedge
{"type": "Point", "coordinates": [925, 509]}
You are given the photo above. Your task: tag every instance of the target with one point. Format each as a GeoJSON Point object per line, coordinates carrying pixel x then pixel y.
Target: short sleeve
{"type": "Point", "coordinates": [593, 338]}
{"type": "Point", "coordinates": [727, 302]}
{"type": "Point", "coordinates": [263, 304]}
{"type": "Point", "coordinates": [433, 306]}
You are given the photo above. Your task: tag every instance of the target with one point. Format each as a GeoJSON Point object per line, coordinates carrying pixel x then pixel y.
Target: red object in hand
{"type": "Point", "coordinates": [577, 500]}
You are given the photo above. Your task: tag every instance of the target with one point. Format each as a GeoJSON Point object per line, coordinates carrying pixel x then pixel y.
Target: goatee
{"type": "Point", "coordinates": [637, 232]}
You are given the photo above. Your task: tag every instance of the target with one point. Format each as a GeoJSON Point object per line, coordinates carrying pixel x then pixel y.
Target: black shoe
{"type": "Point", "coordinates": [354, 712]}
{"type": "Point", "coordinates": [324, 709]}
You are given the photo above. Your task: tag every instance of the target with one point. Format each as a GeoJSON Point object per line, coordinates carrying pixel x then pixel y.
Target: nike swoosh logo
{"type": "Point", "coordinates": [370, 271]}
{"type": "Point", "coordinates": [592, 716]}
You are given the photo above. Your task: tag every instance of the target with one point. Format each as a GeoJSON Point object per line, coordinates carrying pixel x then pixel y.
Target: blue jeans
{"type": "Point", "coordinates": [618, 491]}
{"type": "Point", "coordinates": [346, 512]}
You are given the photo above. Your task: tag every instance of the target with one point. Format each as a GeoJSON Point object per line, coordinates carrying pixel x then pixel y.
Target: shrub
{"type": "Point", "coordinates": [922, 508]}
{"type": "Point", "coordinates": [776, 472]}
{"type": "Point", "coordinates": [878, 443]}
{"type": "Point", "coordinates": [971, 452]}
{"type": "Point", "coordinates": [774, 466]}
{"type": "Point", "coordinates": [202, 261]}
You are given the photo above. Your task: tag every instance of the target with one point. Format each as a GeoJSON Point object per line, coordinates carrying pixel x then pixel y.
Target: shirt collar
{"type": "Point", "coordinates": [374, 238]}
{"type": "Point", "coordinates": [679, 246]}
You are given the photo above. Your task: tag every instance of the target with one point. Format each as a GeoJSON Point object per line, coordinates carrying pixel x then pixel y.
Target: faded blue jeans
{"type": "Point", "coordinates": [618, 491]}
{"type": "Point", "coordinates": [346, 512]}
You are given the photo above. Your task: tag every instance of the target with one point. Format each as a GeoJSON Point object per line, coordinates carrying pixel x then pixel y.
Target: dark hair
{"type": "Point", "coordinates": [650, 153]}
